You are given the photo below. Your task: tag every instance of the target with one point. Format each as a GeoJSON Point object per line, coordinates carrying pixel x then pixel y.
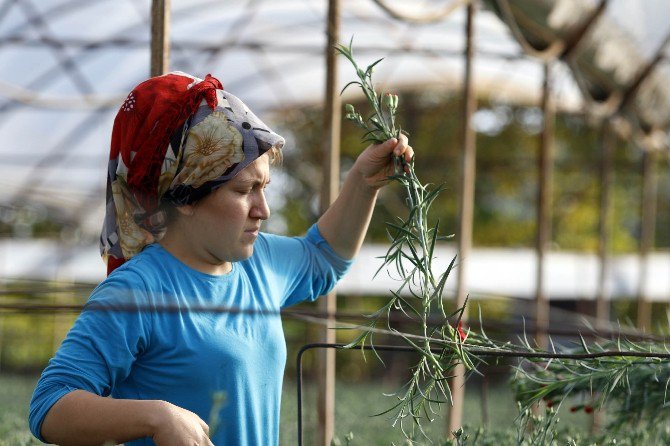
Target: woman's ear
{"type": "Point", "coordinates": [186, 210]}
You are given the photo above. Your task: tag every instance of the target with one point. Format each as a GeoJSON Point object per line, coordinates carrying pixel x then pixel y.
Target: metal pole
{"type": "Point", "coordinates": [160, 37]}
{"type": "Point", "coordinates": [544, 204]}
{"type": "Point", "coordinates": [606, 174]}
{"type": "Point", "coordinates": [466, 206]}
{"type": "Point", "coordinates": [485, 401]}
{"type": "Point", "coordinates": [647, 230]}
{"type": "Point", "coordinates": [331, 155]}
{"type": "Point", "coordinates": [2, 337]}
{"type": "Point", "coordinates": [3, 289]}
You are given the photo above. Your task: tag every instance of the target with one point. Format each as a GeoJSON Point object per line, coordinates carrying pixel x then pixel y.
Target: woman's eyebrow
{"type": "Point", "coordinates": [253, 181]}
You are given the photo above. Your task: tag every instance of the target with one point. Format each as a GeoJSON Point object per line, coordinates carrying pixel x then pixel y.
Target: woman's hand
{"type": "Point", "coordinates": [375, 164]}
{"type": "Point", "coordinates": [346, 221]}
{"type": "Point", "coordinates": [180, 427]}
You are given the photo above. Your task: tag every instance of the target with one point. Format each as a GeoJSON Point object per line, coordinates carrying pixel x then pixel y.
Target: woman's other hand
{"type": "Point", "coordinates": [179, 427]}
{"type": "Point", "coordinates": [375, 164]}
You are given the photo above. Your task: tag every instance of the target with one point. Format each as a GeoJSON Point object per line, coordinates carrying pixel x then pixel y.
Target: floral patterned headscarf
{"type": "Point", "coordinates": [175, 139]}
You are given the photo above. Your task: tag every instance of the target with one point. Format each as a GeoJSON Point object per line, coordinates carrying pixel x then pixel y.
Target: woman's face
{"type": "Point", "coordinates": [223, 226]}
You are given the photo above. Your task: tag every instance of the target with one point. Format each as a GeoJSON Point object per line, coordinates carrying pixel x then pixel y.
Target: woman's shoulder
{"type": "Point", "coordinates": [139, 268]}
{"type": "Point", "coordinates": [135, 277]}
{"type": "Point", "coordinates": [268, 246]}
{"type": "Point", "coordinates": [284, 246]}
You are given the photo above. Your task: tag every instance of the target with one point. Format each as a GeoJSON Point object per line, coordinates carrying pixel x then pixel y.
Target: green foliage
{"type": "Point", "coordinates": [410, 255]}
{"type": "Point", "coordinates": [352, 405]}
{"type": "Point", "coordinates": [625, 311]}
{"type": "Point", "coordinates": [506, 182]}
{"type": "Point", "coordinates": [26, 220]}
{"type": "Point", "coordinates": [545, 430]}
{"type": "Point", "coordinates": [634, 389]}
{"type": "Point", "coordinates": [15, 395]}
{"type": "Point", "coordinates": [28, 341]}
{"type": "Point", "coordinates": [442, 345]}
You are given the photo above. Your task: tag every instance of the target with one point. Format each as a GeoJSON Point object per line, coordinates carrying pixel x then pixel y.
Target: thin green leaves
{"type": "Point", "coordinates": [411, 255]}
{"type": "Point", "coordinates": [380, 125]}
{"type": "Point", "coordinates": [635, 388]}
{"type": "Point", "coordinates": [639, 385]}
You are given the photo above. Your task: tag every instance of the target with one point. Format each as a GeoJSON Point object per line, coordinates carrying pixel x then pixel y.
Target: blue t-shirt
{"type": "Point", "coordinates": [147, 333]}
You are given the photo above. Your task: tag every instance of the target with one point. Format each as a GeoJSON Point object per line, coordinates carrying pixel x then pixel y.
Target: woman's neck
{"type": "Point", "coordinates": [193, 255]}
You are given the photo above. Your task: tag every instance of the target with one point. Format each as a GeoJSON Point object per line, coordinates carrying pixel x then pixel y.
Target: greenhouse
{"type": "Point", "coordinates": [512, 286]}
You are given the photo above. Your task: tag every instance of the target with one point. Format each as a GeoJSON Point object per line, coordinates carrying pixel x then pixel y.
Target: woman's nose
{"type": "Point", "coordinates": [260, 209]}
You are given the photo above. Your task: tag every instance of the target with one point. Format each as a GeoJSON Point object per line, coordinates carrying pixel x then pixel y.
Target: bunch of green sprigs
{"type": "Point", "coordinates": [638, 386]}
{"type": "Point", "coordinates": [634, 388]}
{"type": "Point", "coordinates": [439, 344]}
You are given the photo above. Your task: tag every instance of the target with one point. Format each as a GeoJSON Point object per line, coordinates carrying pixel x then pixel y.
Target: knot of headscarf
{"type": "Point", "coordinates": [175, 139]}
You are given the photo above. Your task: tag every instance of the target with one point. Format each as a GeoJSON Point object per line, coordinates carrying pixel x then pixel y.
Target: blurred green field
{"type": "Point", "coordinates": [15, 392]}
{"type": "Point", "coordinates": [355, 404]}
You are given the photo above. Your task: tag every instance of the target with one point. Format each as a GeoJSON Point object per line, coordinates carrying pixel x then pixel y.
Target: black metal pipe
{"type": "Point", "coordinates": [336, 346]}
{"type": "Point", "coordinates": [476, 352]}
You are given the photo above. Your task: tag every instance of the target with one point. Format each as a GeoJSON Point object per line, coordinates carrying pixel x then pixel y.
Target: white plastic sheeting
{"type": "Point", "coordinates": [492, 273]}
{"type": "Point", "coordinates": [65, 65]}
{"type": "Point", "coordinates": [616, 58]}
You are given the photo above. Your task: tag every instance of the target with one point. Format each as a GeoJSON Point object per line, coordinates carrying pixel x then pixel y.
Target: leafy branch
{"type": "Point", "coordinates": [411, 253]}
{"type": "Point", "coordinates": [635, 388]}
{"type": "Point", "coordinates": [636, 377]}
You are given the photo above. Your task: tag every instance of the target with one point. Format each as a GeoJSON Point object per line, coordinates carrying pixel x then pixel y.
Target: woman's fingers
{"type": "Point", "coordinates": [402, 148]}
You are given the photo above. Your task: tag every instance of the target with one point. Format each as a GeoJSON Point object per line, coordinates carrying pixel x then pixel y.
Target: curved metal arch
{"type": "Point", "coordinates": [53, 12]}
{"type": "Point", "coordinates": [553, 51]}
{"type": "Point", "coordinates": [50, 75]}
{"type": "Point", "coordinates": [53, 156]}
{"type": "Point", "coordinates": [643, 74]}
{"type": "Point", "coordinates": [559, 48]}
{"type": "Point", "coordinates": [426, 19]}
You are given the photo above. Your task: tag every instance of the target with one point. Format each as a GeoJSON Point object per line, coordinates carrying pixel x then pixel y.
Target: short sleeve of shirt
{"type": "Point", "coordinates": [303, 267]}
{"type": "Point", "coordinates": [100, 348]}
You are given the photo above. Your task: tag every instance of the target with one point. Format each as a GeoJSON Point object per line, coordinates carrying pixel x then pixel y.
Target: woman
{"type": "Point", "coordinates": [188, 167]}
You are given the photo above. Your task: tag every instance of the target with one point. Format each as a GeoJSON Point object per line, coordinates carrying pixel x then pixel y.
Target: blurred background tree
{"type": "Point", "coordinates": [507, 181]}
{"type": "Point", "coordinates": [506, 188]}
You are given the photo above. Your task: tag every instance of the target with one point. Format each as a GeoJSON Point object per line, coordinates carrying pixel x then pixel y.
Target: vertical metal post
{"type": "Point", "coordinates": [606, 174]}
{"type": "Point", "coordinates": [160, 37]}
{"type": "Point", "coordinates": [3, 287]}
{"type": "Point", "coordinates": [329, 190]}
{"type": "Point", "coordinates": [647, 230]}
{"type": "Point", "coordinates": [466, 208]}
{"type": "Point", "coordinates": [485, 400]}
{"type": "Point", "coordinates": [544, 203]}
{"type": "Point", "coordinates": [2, 337]}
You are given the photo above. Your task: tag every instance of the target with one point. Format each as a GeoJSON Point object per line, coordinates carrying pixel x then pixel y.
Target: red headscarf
{"type": "Point", "coordinates": [152, 161]}
{"type": "Point", "coordinates": [150, 115]}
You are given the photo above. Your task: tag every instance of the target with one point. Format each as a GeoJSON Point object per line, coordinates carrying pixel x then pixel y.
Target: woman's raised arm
{"type": "Point", "coordinates": [346, 221]}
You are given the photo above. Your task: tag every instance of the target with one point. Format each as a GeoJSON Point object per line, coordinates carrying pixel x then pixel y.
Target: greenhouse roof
{"type": "Point", "coordinates": [66, 65]}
